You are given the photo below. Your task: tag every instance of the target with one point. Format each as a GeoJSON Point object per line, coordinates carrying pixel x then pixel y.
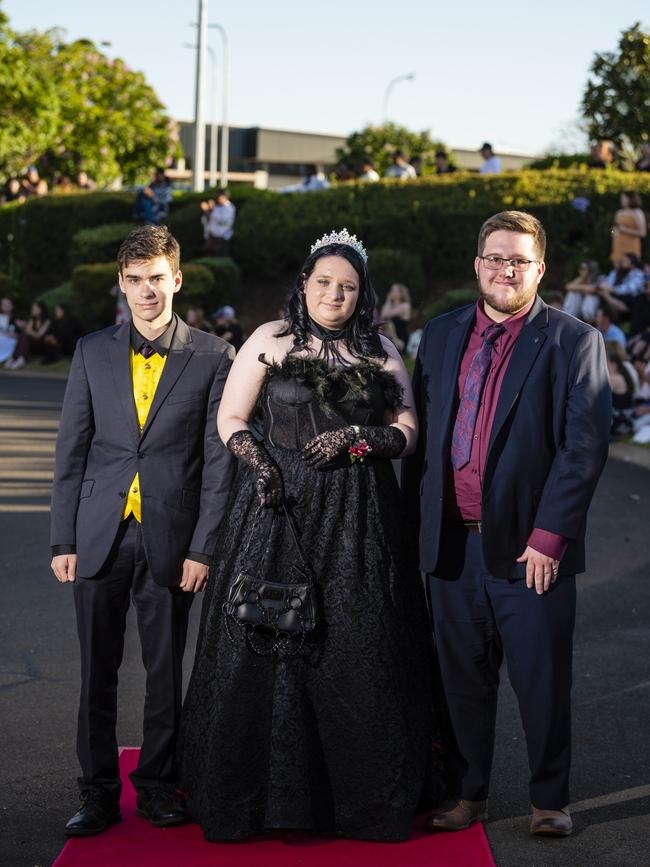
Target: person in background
{"type": "Point", "coordinates": [602, 155]}
{"type": "Point", "coordinates": [554, 299]}
{"type": "Point", "coordinates": [33, 184]}
{"type": "Point", "coordinates": [397, 309]}
{"type": "Point", "coordinates": [491, 162]}
{"type": "Point", "coordinates": [14, 192]}
{"type": "Point", "coordinates": [606, 325]}
{"type": "Point", "coordinates": [401, 168]}
{"type": "Point", "coordinates": [9, 324]}
{"type": "Point", "coordinates": [195, 318]}
{"type": "Point", "coordinates": [62, 338]}
{"type": "Point", "coordinates": [442, 164]}
{"type": "Point", "coordinates": [417, 165]}
{"type": "Point", "coordinates": [31, 340]}
{"type": "Point", "coordinates": [153, 202]}
{"type": "Point", "coordinates": [622, 285]}
{"type": "Point", "coordinates": [368, 172]}
{"type": "Point", "coordinates": [623, 391]}
{"type": "Point", "coordinates": [218, 221]}
{"type": "Point", "coordinates": [629, 227]}
{"type": "Point", "coordinates": [85, 183]}
{"type": "Point", "coordinates": [643, 165]}
{"type": "Point", "coordinates": [581, 299]}
{"type": "Point", "coordinates": [227, 327]}
{"type": "Point", "coordinates": [313, 180]}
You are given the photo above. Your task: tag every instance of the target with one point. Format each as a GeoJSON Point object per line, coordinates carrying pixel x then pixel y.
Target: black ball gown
{"type": "Point", "coordinates": [337, 739]}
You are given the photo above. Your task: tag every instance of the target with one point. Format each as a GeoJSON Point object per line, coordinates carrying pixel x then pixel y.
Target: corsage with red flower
{"type": "Point", "coordinates": [360, 449]}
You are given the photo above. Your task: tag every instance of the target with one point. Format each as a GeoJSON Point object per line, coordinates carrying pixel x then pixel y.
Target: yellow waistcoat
{"type": "Point", "coordinates": [145, 375]}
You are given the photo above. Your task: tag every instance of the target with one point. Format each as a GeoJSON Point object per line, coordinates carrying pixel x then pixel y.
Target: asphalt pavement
{"type": "Point", "coordinates": [39, 670]}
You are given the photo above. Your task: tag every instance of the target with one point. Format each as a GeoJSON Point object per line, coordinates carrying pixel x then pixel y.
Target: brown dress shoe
{"type": "Point", "coordinates": [551, 823]}
{"type": "Point", "coordinates": [457, 815]}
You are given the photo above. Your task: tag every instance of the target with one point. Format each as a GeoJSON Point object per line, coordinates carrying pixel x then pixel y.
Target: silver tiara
{"type": "Point", "coordinates": [342, 237]}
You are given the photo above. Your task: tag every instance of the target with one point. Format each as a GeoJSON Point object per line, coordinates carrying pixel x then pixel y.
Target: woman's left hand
{"type": "Point", "coordinates": [328, 445]}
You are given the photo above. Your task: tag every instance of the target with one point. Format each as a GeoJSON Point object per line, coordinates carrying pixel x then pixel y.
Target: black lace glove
{"type": "Point", "coordinates": [382, 442]}
{"type": "Point", "coordinates": [268, 481]}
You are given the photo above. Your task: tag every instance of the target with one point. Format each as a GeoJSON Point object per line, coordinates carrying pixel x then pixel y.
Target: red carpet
{"type": "Point", "coordinates": [135, 842]}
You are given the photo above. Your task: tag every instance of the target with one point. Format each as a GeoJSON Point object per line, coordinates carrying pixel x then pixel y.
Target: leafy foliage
{"type": "Point", "coordinates": [68, 106]}
{"type": "Point", "coordinates": [396, 266]}
{"type": "Point", "coordinates": [616, 101]}
{"type": "Point", "coordinates": [380, 143]}
{"type": "Point", "coordinates": [30, 105]}
{"type": "Point", "coordinates": [98, 244]}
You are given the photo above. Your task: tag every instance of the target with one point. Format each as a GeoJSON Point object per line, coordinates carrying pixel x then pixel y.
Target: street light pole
{"type": "Point", "coordinates": [225, 131]}
{"type": "Point", "coordinates": [391, 84]}
{"type": "Point", "coordinates": [199, 117]}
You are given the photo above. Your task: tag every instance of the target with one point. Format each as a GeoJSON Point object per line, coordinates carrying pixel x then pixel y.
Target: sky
{"type": "Point", "coordinates": [505, 72]}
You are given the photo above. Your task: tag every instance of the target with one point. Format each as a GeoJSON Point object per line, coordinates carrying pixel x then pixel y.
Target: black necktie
{"type": "Point", "coordinates": [147, 350]}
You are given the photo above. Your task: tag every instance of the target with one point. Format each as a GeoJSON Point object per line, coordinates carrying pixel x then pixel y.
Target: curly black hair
{"type": "Point", "coordinates": [360, 336]}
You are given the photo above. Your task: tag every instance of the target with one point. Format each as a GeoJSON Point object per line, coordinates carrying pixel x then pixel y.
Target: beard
{"type": "Point", "coordinates": [516, 300]}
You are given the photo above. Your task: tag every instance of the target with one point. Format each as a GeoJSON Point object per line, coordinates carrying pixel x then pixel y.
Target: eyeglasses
{"type": "Point", "coordinates": [496, 263]}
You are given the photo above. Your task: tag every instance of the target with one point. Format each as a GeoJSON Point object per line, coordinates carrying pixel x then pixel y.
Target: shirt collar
{"type": "Point", "coordinates": [161, 344]}
{"type": "Point", "coordinates": [513, 324]}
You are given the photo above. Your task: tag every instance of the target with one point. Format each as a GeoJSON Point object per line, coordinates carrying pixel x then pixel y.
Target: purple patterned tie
{"type": "Point", "coordinates": [147, 350]}
{"type": "Point", "coordinates": [470, 399]}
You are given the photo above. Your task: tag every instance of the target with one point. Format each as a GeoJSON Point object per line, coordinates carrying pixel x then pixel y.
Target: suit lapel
{"type": "Point", "coordinates": [456, 343]}
{"type": "Point", "coordinates": [120, 357]}
{"type": "Point", "coordinates": [180, 353]}
{"type": "Point", "coordinates": [526, 349]}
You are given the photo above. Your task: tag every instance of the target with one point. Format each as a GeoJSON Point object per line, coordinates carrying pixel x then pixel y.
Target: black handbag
{"type": "Point", "coordinates": [272, 617]}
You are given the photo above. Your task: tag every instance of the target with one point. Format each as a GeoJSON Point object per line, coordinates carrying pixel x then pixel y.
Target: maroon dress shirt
{"type": "Point", "coordinates": [464, 493]}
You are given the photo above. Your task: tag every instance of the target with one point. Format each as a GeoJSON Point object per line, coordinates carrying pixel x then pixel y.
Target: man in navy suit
{"type": "Point", "coordinates": [514, 406]}
{"type": "Point", "coordinates": [141, 483]}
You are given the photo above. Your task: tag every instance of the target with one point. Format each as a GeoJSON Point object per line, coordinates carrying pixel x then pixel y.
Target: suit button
{"type": "Point", "coordinates": [122, 494]}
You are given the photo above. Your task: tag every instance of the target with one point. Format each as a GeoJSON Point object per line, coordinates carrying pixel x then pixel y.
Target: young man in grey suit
{"type": "Point", "coordinates": [140, 486]}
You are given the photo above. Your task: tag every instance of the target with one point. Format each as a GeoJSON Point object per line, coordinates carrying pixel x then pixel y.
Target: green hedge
{"type": "Point", "coordinates": [435, 218]}
{"type": "Point", "coordinates": [35, 238]}
{"type": "Point", "coordinates": [451, 300]}
{"type": "Point", "coordinates": [438, 219]}
{"type": "Point", "coordinates": [397, 266]}
{"type": "Point", "coordinates": [98, 244]}
{"type": "Point", "coordinates": [226, 274]}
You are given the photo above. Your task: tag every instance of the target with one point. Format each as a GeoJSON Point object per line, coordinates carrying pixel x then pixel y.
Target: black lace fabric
{"type": "Point", "coordinates": [382, 442]}
{"type": "Point", "coordinates": [268, 481]}
{"type": "Point", "coordinates": [338, 740]}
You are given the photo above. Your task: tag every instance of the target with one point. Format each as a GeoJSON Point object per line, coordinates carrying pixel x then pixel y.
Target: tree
{"type": "Point", "coordinates": [616, 101]}
{"type": "Point", "coordinates": [110, 123]}
{"type": "Point", "coordinates": [379, 143]}
{"type": "Point", "coordinates": [30, 106]}
{"type": "Point", "coordinates": [68, 106]}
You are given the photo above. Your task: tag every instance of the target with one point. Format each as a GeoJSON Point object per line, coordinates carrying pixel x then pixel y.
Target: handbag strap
{"type": "Point", "coordinates": [294, 534]}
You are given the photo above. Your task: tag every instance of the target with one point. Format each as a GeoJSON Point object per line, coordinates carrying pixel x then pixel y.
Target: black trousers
{"type": "Point", "coordinates": [162, 613]}
{"type": "Point", "coordinates": [476, 618]}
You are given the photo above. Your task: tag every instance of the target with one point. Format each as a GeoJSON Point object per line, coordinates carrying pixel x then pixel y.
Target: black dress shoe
{"type": "Point", "coordinates": [163, 807]}
{"type": "Point", "coordinates": [99, 810]}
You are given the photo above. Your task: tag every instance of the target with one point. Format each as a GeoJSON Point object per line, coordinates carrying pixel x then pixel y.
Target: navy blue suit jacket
{"type": "Point", "coordinates": [185, 470]}
{"type": "Point", "coordinates": [548, 443]}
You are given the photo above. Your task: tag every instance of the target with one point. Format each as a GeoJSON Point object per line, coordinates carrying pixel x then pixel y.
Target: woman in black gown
{"type": "Point", "coordinates": [337, 738]}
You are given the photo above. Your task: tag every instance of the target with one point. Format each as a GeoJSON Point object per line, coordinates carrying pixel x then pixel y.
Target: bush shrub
{"type": "Point", "coordinates": [451, 300]}
{"type": "Point", "coordinates": [94, 302]}
{"type": "Point", "coordinates": [226, 274]}
{"type": "Point", "coordinates": [396, 266]}
{"type": "Point", "coordinates": [7, 286]}
{"type": "Point", "coordinates": [35, 237]}
{"type": "Point", "coordinates": [63, 294]}
{"type": "Point", "coordinates": [98, 244]}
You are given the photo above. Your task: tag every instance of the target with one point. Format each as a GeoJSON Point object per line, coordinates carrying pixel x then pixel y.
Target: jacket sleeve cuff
{"type": "Point", "coordinates": [63, 549]}
{"type": "Point", "coordinates": [199, 557]}
{"type": "Point", "coordinates": [550, 544]}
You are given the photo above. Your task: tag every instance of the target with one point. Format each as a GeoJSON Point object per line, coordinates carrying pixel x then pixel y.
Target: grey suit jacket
{"type": "Point", "coordinates": [185, 470]}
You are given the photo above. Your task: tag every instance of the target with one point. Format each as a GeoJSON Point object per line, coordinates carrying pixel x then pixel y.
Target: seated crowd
{"type": "Point", "coordinates": [618, 304]}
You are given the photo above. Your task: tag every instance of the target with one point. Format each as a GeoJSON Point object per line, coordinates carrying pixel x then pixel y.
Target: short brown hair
{"type": "Point", "coordinates": [514, 221]}
{"type": "Point", "coordinates": [149, 242]}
